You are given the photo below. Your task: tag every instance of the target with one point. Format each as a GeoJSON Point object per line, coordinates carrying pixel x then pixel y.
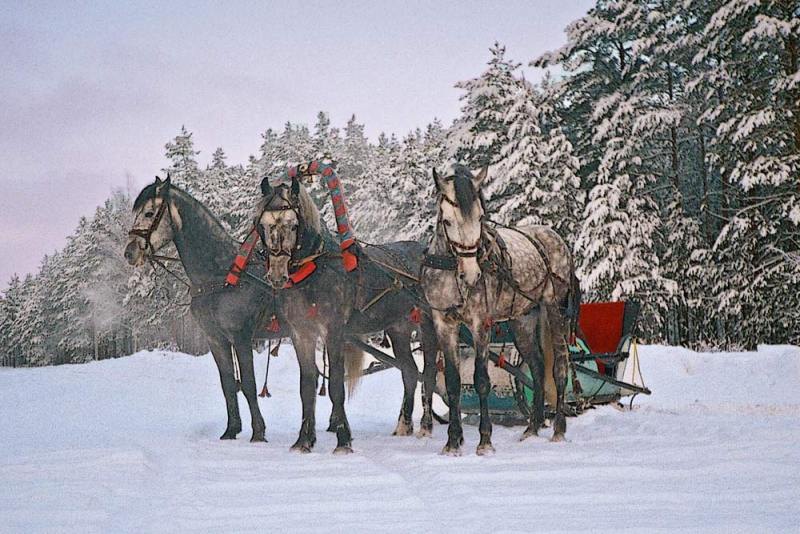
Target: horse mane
{"type": "Point", "coordinates": [307, 208]}
{"type": "Point", "coordinates": [466, 195]}
{"type": "Point", "coordinates": [150, 191]}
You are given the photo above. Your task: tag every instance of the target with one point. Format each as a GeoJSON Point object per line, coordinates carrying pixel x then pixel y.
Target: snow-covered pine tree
{"type": "Point", "coordinates": [750, 52]}
{"type": "Point", "coordinates": [620, 237]}
{"type": "Point", "coordinates": [537, 177]}
{"type": "Point", "coordinates": [183, 167]}
{"type": "Point", "coordinates": [478, 135]}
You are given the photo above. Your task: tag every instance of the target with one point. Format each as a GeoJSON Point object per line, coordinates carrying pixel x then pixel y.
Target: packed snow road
{"type": "Point", "coordinates": [130, 445]}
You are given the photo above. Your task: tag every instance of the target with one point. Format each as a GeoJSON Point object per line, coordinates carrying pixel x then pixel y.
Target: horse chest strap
{"type": "Point", "coordinates": [301, 274]}
{"type": "Point", "coordinates": [440, 262]}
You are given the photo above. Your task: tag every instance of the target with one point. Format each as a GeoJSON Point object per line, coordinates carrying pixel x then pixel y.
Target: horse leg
{"type": "Point", "coordinates": [221, 350]}
{"type": "Point", "coordinates": [305, 348]}
{"type": "Point", "coordinates": [401, 343]}
{"type": "Point", "coordinates": [525, 339]}
{"type": "Point", "coordinates": [558, 330]}
{"type": "Point", "coordinates": [245, 354]}
{"type": "Point", "coordinates": [447, 334]}
{"type": "Point", "coordinates": [429, 349]}
{"type": "Point", "coordinates": [483, 386]}
{"type": "Point", "coordinates": [344, 439]}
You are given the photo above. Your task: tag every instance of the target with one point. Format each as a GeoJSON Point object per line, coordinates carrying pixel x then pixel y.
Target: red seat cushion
{"type": "Point", "coordinates": [601, 324]}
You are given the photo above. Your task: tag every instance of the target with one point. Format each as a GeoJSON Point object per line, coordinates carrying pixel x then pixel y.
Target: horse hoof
{"type": "Point", "coordinates": [403, 429]}
{"type": "Point", "coordinates": [424, 432]}
{"type": "Point", "coordinates": [343, 450]}
{"type": "Point", "coordinates": [485, 449]}
{"type": "Point", "coordinates": [558, 437]}
{"type": "Point", "coordinates": [303, 448]}
{"type": "Point", "coordinates": [258, 438]}
{"type": "Point", "coordinates": [450, 450]}
{"type": "Point", "coordinates": [229, 434]}
{"type": "Point", "coordinates": [529, 432]}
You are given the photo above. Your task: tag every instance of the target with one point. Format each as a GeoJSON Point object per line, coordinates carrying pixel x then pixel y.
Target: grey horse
{"type": "Point", "coordinates": [474, 274]}
{"type": "Point", "coordinates": [321, 300]}
{"type": "Point", "coordinates": [229, 316]}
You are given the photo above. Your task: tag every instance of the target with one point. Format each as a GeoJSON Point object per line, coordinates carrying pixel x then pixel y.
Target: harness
{"type": "Point", "coordinates": [493, 257]}
{"type": "Point", "coordinates": [147, 233]}
{"type": "Point", "coordinates": [309, 248]}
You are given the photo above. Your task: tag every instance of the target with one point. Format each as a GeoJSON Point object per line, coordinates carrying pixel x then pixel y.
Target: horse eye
{"type": "Point", "coordinates": [148, 214]}
{"type": "Point", "coordinates": [446, 222]}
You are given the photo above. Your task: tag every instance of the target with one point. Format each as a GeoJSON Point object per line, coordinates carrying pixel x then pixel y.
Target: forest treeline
{"type": "Point", "coordinates": [667, 151]}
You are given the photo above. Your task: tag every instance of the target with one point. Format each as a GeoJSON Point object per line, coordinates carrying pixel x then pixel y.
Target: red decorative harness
{"type": "Point", "coordinates": [242, 258]}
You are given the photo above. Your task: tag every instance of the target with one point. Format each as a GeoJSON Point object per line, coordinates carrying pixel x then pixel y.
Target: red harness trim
{"type": "Point", "coordinates": [242, 257]}
{"type": "Point", "coordinates": [301, 274]}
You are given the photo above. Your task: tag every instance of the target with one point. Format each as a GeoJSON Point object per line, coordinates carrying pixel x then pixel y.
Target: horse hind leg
{"type": "Point", "coordinates": [525, 339]}
{"type": "Point", "coordinates": [558, 330]}
{"type": "Point", "coordinates": [336, 355]}
{"type": "Point", "coordinates": [429, 351]}
{"type": "Point", "coordinates": [401, 342]}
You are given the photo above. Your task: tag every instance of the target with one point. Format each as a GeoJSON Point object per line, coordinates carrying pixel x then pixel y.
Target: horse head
{"type": "Point", "coordinates": [460, 218]}
{"type": "Point", "coordinates": [278, 222]}
{"type": "Point", "coordinates": [150, 232]}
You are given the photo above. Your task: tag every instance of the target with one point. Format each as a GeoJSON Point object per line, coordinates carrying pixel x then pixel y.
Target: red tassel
{"type": "Point", "coordinates": [415, 316]}
{"type": "Point", "coordinates": [349, 260]}
{"type": "Point", "coordinates": [312, 311]}
{"type": "Point", "coordinates": [572, 339]}
{"type": "Point", "coordinates": [322, 391]}
{"type": "Point", "coordinates": [501, 360]}
{"type": "Point", "coordinates": [440, 365]}
{"type": "Point", "coordinates": [274, 325]}
{"type": "Point", "coordinates": [487, 324]}
{"type": "Point", "coordinates": [264, 392]}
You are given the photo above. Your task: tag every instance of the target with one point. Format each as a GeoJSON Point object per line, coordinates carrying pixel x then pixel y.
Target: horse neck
{"type": "Point", "coordinates": [205, 249]}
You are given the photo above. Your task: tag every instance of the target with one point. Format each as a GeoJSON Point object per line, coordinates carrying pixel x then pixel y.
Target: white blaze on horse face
{"type": "Point", "coordinates": [465, 230]}
{"type": "Point", "coordinates": [280, 230]}
{"type": "Point", "coordinates": [136, 250]}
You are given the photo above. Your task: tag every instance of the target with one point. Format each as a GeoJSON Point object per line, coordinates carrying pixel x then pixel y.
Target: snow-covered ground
{"type": "Point", "coordinates": [130, 445]}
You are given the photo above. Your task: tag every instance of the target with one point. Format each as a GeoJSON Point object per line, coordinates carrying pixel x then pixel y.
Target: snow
{"type": "Point", "coordinates": [130, 445]}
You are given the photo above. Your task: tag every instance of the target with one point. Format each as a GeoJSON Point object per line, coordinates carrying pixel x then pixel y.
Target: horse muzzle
{"type": "Point", "coordinates": [134, 254]}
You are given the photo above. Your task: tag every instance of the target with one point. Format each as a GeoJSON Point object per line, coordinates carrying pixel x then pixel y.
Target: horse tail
{"type": "Point", "coordinates": [548, 351]}
{"type": "Point", "coordinates": [353, 365]}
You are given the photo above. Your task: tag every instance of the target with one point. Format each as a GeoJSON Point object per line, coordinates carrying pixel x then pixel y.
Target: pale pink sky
{"type": "Point", "coordinates": [90, 92]}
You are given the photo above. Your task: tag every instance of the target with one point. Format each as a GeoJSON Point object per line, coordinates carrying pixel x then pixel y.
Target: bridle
{"type": "Point", "coordinates": [147, 233]}
{"type": "Point", "coordinates": [149, 251]}
{"type": "Point", "coordinates": [292, 204]}
{"type": "Point", "coordinates": [461, 250]}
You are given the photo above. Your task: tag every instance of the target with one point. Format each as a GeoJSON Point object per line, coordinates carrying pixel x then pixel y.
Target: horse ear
{"type": "Point", "coordinates": [168, 181]}
{"type": "Point", "coordinates": [478, 179]}
{"type": "Point", "coordinates": [436, 180]}
{"type": "Point", "coordinates": [158, 180]}
{"type": "Point", "coordinates": [295, 187]}
{"type": "Point", "coordinates": [266, 189]}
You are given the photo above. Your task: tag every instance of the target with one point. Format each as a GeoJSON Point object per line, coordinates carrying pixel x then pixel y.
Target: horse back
{"type": "Point", "coordinates": [533, 251]}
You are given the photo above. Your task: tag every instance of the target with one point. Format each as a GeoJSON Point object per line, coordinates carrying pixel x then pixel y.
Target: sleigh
{"type": "Point", "coordinates": [603, 368]}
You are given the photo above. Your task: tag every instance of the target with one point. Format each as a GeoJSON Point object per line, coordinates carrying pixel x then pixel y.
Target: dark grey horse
{"type": "Point", "coordinates": [330, 304]}
{"type": "Point", "coordinates": [229, 316]}
{"type": "Point", "coordinates": [475, 275]}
